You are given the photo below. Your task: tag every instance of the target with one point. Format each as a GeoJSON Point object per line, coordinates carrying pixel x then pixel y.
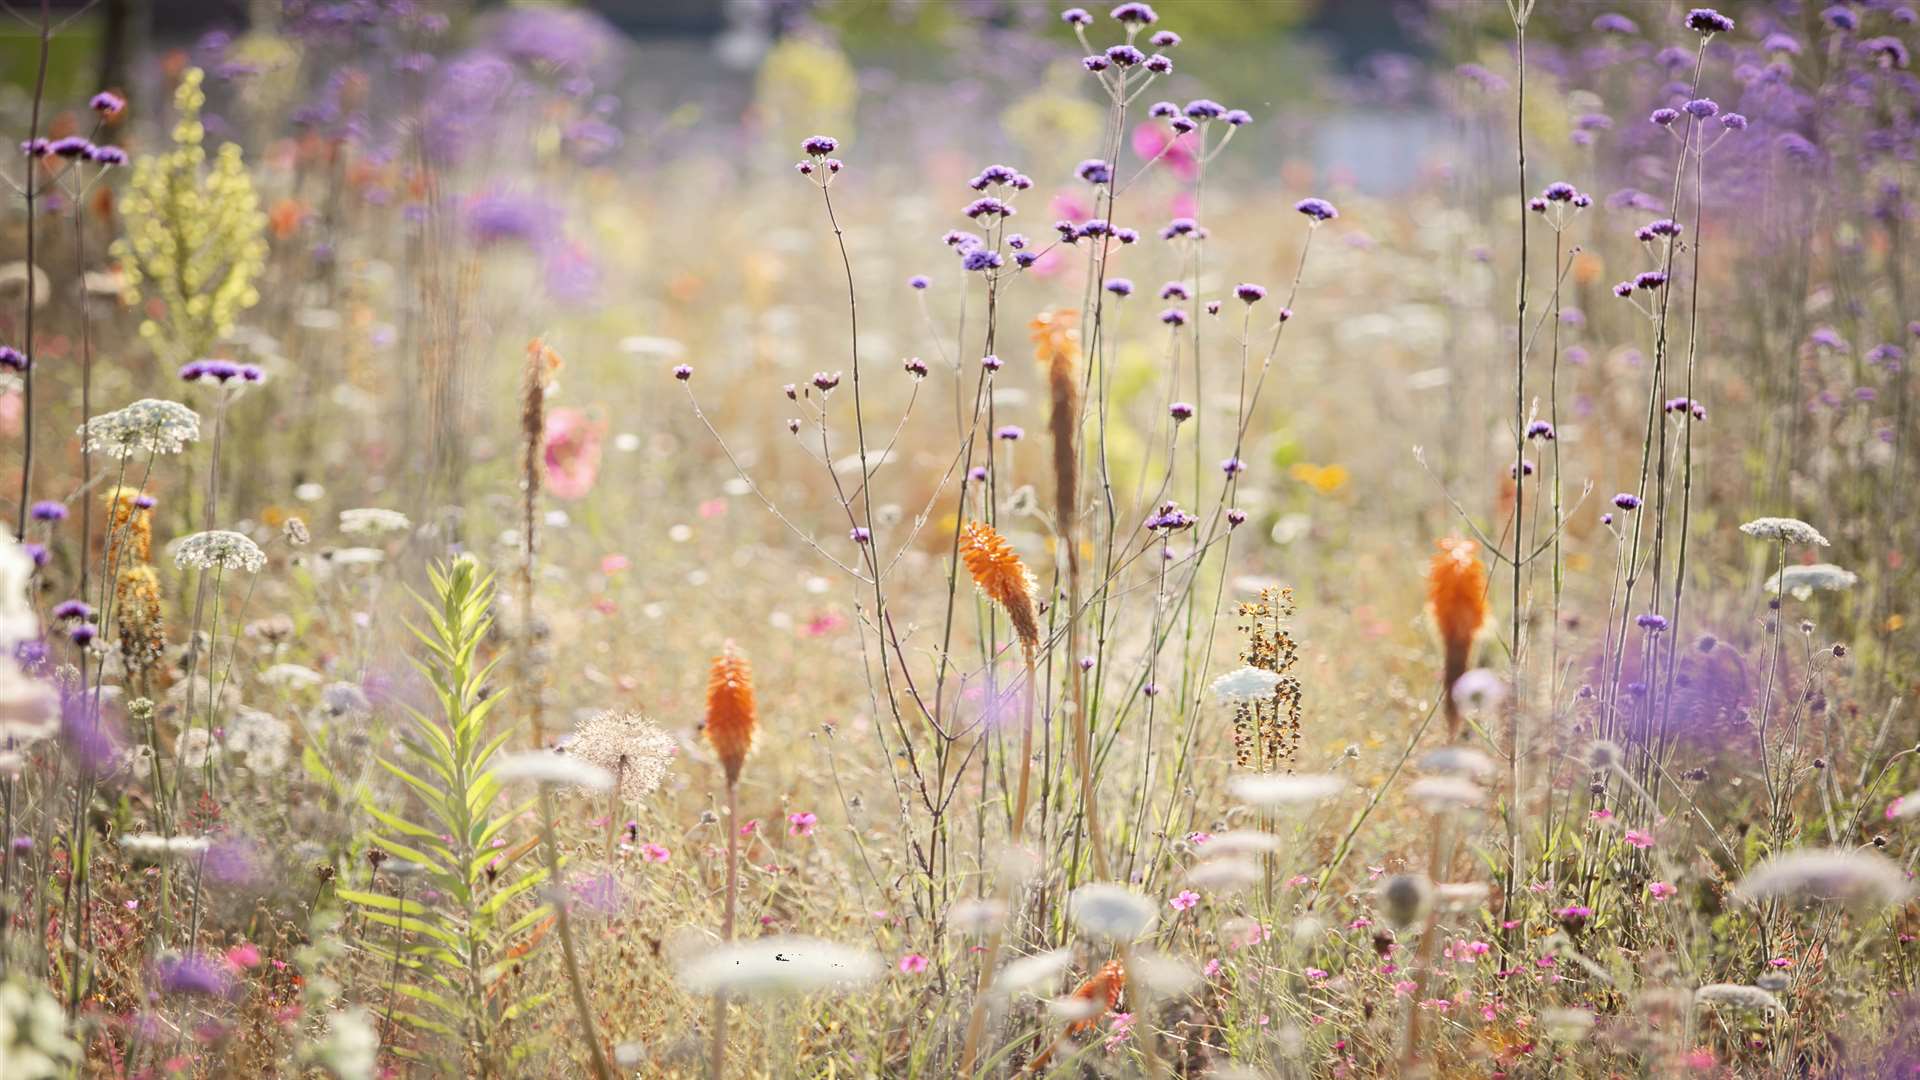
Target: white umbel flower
{"type": "Point", "coordinates": [546, 767]}
{"type": "Point", "coordinates": [1112, 912]}
{"type": "Point", "coordinates": [1784, 530]}
{"type": "Point", "coordinates": [1800, 582]}
{"type": "Point", "coordinates": [1246, 684]}
{"type": "Point", "coordinates": [219, 549]}
{"type": "Point", "coordinates": [1827, 875]}
{"type": "Point", "coordinates": [1738, 996]}
{"type": "Point", "coordinates": [373, 521]}
{"type": "Point", "coordinates": [1275, 791]}
{"type": "Point", "coordinates": [779, 965]}
{"type": "Point", "coordinates": [150, 426]}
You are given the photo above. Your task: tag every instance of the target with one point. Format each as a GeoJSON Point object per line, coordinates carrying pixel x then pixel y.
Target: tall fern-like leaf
{"type": "Point", "coordinates": [443, 816]}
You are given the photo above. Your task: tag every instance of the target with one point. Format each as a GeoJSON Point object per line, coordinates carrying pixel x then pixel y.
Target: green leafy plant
{"type": "Point", "coordinates": [450, 960]}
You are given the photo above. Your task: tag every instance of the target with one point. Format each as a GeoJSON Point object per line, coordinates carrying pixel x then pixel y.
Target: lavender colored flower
{"type": "Point", "coordinates": [1840, 17]}
{"type": "Point", "coordinates": [1733, 121]}
{"type": "Point", "coordinates": [1317, 209]}
{"type": "Point", "coordinates": [193, 975]}
{"type": "Point", "coordinates": [1173, 316]}
{"type": "Point", "coordinates": [990, 362]}
{"type": "Point", "coordinates": [1125, 56]}
{"type": "Point", "coordinates": [1162, 110]}
{"type": "Point", "coordinates": [987, 207]}
{"type": "Point", "coordinates": [12, 359]}
{"type": "Point", "coordinates": [1233, 466]}
{"type": "Point", "coordinates": [1076, 17]}
{"type": "Point", "coordinates": [1781, 43]}
{"type": "Point", "coordinates": [980, 259]}
{"type": "Point", "coordinates": [860, 534]}
{"type": "Point", "coordinates": [819, 146]}
{"type": "Point", "coordinates": [1627, 501]}
{"type": "Point", "coordinates": [1095, 171]}
{"type": "Point", "coordinates": [1615, 23]}
{"type": "Point", "coordinates": [1236, 517]}
{"type": "Point", "coordinates": [1180, 411]}
{"type": "Point", "coordinates": [37, 148]}
{"type": "Point", "coordinates": [1181, 125]}
{"type": "Point", "coordinates": [71, 147]}
{"type": "Point", "coordinates": [1025, 259]}
{"type": "Point", "coordinates": [107, 103]}
{"type": "Point", "coordinates": [1540, 429]}
{"type": "Point", "coordinates": [1664, 117]}
{"type": "Point", "coordinates": [107, 156]}
{"type": "Point", "coordinates": [1126, 235]}
{"type": "Point", "coordinates": [1204, 109]}
{"type": "Point", "coordinates": [1702, 108]}
{"type": "Point", "coordinates": [1250, 293]}
{"type": "Point", "coordinates": [82, 633]}
{"type": "Point", "coordinates": [1651, 623]}
{"type": "Point", "coordinates": [1170, 518]}
{"type": "Point", "coordinates": [977, 474]}
{"type": "Point", "coordinates": [1159, 64]}
{"type": "Point", "coordinates": [1649, 280]}
{"type": "Point", "coordinates": [1889, 51]}
{"type": "Point", "coordinates": [1559, 191]}
{"type": "Point", "coordinates": [1010, 433]}
{"type": "Point", "coordinates": [1708, 21]}
{"type": "Point", "coordinates": [1180, 226]}
{"type": "Point", "coordinates": [1095, 64]}
{"type": "Point", "coordinates": [72, 609]}
{"type": "Point", "coordinates": [1237, 118]}
{"type": "Point", "coordinates": [1120, 286]}
{"type": "Point", "coordinates": [919, 281]}
{"type": "Point", "coordinates": [683, 372]}
{"type": "Point", "coordinates": [1524, 469]}
{"type": "Point", "coordinates": [49, 510]}
{"type": "Point", "coordinates": [1174, 290]}
{"type": "Point", "coordinates": [915, 367]}
{"type": "Point", "coordinates": [1137, 14]}
{"type": "Point", "coordinates": [1164, 39]}
{"type": "Point", "coordinates": [1213, 307]}
{"type": "Point", "coordinates": [1537, 205]}
{"type": "Point", "coordinates": [825, 381]}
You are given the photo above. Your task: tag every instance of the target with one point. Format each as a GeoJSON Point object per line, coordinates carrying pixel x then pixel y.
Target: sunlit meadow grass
{"type": "Point", "coordinates": [523, 566]}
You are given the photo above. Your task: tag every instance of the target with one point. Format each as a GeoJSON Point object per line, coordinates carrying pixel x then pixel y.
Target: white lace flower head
{"type": "Point", "coordinates": [373, 520]}
{"type": "Point", "coordinates": [1802, 581]}
{"type": "Point", "coordinates": [1784, 530]}
{"type": "Point", "coordinates": [149, 425]}
{"type": "Point", "coordinates": [219, 549]}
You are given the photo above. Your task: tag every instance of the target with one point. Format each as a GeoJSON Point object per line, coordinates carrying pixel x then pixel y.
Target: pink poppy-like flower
{"type": "Point", "coordinates": [1198, 838]}
{"type": "Point", "coordinates": [1185, 901]}
{"type": "Point", "coordinates": [913, 963]}
{"type": "Point", "coordinates": [571, 448]}
{"type": "Point", "coordinates": [751, 827]}
{"type": "Point", "coordinates": [1316, 974]}
{"type": "Point", "coordinates": [1212, 970]}
{"type": "Point", "coordinates": [1639, 839]}
{"type": "Point", "coordinates": [1659, 890]}
{"type": "Point", "coordinates": [614, 564]}
{"type": "Point", "coordinates": [654, 853]}
{"type": "Point", "coordinates": [801, 823]}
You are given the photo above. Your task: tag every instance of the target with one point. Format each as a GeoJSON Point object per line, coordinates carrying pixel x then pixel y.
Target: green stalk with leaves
{"type": "Point", "coordinates": [453, 958]}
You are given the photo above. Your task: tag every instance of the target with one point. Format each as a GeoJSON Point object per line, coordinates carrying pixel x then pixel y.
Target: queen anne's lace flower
{"type": "Point", "coordinates": [1738, 996]}
{"type": "Point", "coordinates": [1784, 530]}
{"type": "Point", "coordinates": [1247, 683]}
{"type": "Point", "coordinates": [1826, 875]}
{"type": "Point", "coordinates": [373, 520]}
{"type": "Point", "coordinates": [149, 425]}
{"type": "Point", "coordinates": [219, 549]}
{"type": "Point", "coordinates": [1802, 581]}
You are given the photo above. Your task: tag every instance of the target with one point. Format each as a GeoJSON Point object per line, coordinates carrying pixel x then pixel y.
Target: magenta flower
{"type": "Point", "coordinates": [913, 964]}
{"type": "Point", "coordinates": [1639, 839]}
{"type": "Point", "coordinates": [801, 824]}
{"type": "Point", "coordinates": [654, 853]}
{"type": "Point", "coordinates": [1659, 890]}
{"type": "Point", "coordinates": [1185, 901]}
{"type": "Point", "coordinates": [571, 448]}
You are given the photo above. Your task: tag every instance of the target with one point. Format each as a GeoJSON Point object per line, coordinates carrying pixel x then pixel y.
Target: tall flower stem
{"type": "Point", "coordinates": [26, 344]}
{"type": "Point", "coordinates": [718, 1062]}
{"type": "Point", "coordinates": [564, 924]}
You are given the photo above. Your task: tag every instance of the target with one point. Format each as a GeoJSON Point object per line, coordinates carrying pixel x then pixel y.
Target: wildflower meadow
{"type": "Point", "coordinates": [959, 539]}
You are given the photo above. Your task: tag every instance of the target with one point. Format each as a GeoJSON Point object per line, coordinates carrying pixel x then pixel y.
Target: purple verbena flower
{"type": "Point", "coordinates": [48, 510]}
{"type": "Point", "coordinates": [1317, 209]}
{"type": "Point", "coordinates": [1708, 21]}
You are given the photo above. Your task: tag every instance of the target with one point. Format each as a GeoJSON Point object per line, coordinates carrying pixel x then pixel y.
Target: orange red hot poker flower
{"type": "Point", "coordinates": [999, 573]}
{"type": "Point", "coordinates": [730, 711]}
{"type": "Point", "coordinates": [1457, 600]}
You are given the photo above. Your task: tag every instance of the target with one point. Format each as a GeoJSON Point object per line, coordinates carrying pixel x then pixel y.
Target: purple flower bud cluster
{"type": "Point", "coordinates": [1170, 518]}
{"type": "Point", "coordinates": [221, 371]}
{"type": "Point", "coordinates": [1686, 406]}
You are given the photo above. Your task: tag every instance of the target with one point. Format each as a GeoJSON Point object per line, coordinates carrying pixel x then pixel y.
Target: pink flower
{"type": "Point", "coordinates": [913, 963]}
{"type": "Point", "coordinates": [1152, 141]}
{"type": "Point", "coordinates": [1212, 970]}
{"type": "Point", "coordinates": [1600, 815]}
{"type": "Point", "coordinates": [1639, 839]}
{"type": "Point", "coordinates": [614, 564]}
{"type": "Point", "coordinates": [1198, 838]}
{"type": "Point", "coordinates": [1122, 1026]}
{"type": "Point", "coordinates": [751, 827]}
{"type": "Point", "coordinates": [571, 447]}
{"type": "Point", "coordinates": [1893, 808]}
{"type": "Point", "coordinates": [654, 853]}
{"type": "Point", "coordinates": [1185, 901]}
{"type": "Point", "coordinates": [1478, 948]}
{"type": "Point", "coordinates": [1659, 890]}
{"type": "Point", "coordinates": [713, 508]}
{"type": "Point", "coordinates": [243, 956]}
{"type": "Point", "coordinates": [801, 824]}
{"type": "Point", "coordinates": [1404, 987]}
{"type": "Point", "coordinates": [1315, 974]}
